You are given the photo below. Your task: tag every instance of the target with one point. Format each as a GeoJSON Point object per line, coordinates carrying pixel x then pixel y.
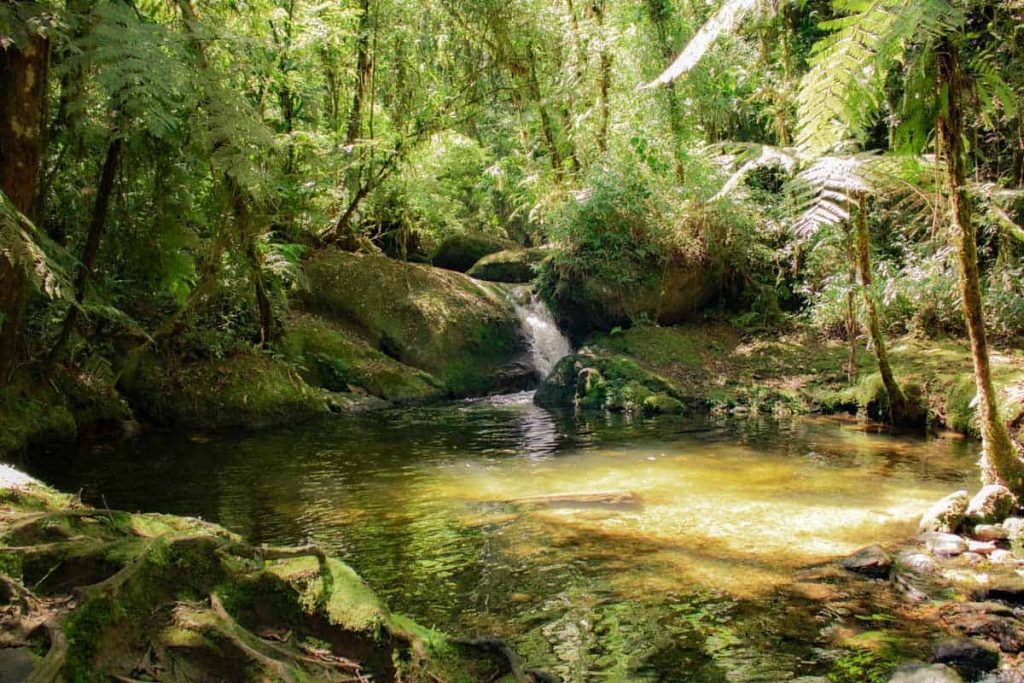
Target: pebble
{"type": "Point", "coordinates": [981, 547]}
{"type": "Point", "coordinates": [871, 561]}
{"type": "Point", "coordinates": [1000, 556]}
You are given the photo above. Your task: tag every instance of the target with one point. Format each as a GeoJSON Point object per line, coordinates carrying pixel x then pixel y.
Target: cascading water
{"type": "Point", "coordinates": [547, 343]}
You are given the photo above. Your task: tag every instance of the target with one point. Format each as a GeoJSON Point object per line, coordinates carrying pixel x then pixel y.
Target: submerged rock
{"type": "Point", "coordinates": [871, 561]}
{"type": "Point", "coordinates": [970, 657]}
{"type": "Point", "coordinates": [993, 503]}
{"type": "Point", "coordinates": [944, 545]}
{"type": "Point", "coordinates": [923, 673]}
{"type": "Point", "coordinates": [947, 515]}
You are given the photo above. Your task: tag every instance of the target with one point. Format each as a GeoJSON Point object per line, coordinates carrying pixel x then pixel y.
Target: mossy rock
{"type": "Point", "coordinates": [614, 383]}
{"type": "Point", "coordinates": [960, 415]}
{"type": "Point", "coordinates": [670, 293]}
{"type": "Point", "coordinates": [336, 358]}
{"type": "Point", "coordinates": [511, 265]}
{"type": "Point", "coordinates": [33, 414]}
{"type": "Point", "coordinates": [461, 252]}
{"type": "Point", "coordinates": [460, 331]}
{"type": "Point", "coordinates": [242, 391]}
{"type": "Point", "coordinates": [184, 596]}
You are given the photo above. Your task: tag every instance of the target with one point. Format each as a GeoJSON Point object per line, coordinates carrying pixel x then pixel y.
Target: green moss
{"type": "Point", "coordinates": [251, 390]}
{"type": "Point", "coordinates": [662, 403]}
{"type": "Point", "coordinates": [960, 415]}
{"type": "Point", "coordinates": [331, 356]}
{"type": "Point", "coordinates": [33, 414]}
{"type": "Point", "coordinates": [438, 321]}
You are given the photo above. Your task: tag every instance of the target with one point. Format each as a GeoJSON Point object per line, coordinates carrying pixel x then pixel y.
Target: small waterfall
{"type": "Point", "coordinates": [547, 343]}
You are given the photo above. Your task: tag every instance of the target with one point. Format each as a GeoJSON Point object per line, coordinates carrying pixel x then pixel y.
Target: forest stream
{"type": "Point", "coordinates": [601, 547]}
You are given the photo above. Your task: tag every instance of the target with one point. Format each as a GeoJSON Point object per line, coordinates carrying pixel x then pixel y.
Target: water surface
{"type": "Point", "coordinates": [684, 579]}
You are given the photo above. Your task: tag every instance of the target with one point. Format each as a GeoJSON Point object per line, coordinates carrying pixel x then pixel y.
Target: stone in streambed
{"type": "Point", "coordinates": [1014, 527]}
{"type": "Point", "coordinates": [871, 561]}
{"type": "Point", "coordinates": [990, 532]}
{"type": "Point", "coordinates": [921, 673]}
{"type": "Point", "coordinates": [947, 515]}
{"type": "Point", "coordinates": [944, 545]}
{"type": "Point", "coordinates": [993, 503]}
{"type": "Point", "coordinates": [971, 658]}
{"type": "Point", "coordinates": [980, 547]}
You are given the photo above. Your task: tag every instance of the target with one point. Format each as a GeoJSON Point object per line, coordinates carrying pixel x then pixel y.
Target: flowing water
{"type": "Point", "coordinates": [547, 343]}
{"type": "Point", "coordinates": [685, 574]}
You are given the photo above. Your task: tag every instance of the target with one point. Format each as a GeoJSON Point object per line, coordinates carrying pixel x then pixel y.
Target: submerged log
{"type": "Point", "coordinates": [585, 499]}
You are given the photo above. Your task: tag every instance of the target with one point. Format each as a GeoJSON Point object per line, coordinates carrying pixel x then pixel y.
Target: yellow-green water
{"type": "Point", "coordinates": [686, 580]}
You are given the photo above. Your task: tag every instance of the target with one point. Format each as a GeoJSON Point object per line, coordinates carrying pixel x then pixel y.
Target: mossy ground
{"type": "Point", "coordinates": [101, 595]}
{"type": "Point", "coordinates": [716, 367]}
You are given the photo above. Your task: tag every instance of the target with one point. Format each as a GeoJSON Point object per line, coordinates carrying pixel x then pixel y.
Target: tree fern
{"type": "Point", "coordinates": [843, 90]}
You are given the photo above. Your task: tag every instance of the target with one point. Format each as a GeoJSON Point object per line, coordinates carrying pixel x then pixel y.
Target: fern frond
{"type": "Point", "coordinates": [843, 90]}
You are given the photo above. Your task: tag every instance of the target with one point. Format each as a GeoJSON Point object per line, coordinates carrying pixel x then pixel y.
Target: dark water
{"type": "Point", "coordinates": [688, 580]}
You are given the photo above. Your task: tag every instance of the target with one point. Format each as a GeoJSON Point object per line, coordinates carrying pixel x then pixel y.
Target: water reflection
{"type": "Point", "coordinates": [437, 507]}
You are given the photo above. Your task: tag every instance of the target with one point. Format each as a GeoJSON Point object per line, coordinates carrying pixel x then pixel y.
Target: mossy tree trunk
{"type": "Point", "coordinates": [660, 12]}
{"type": "Point", "coordinates": [23, 77]}
{"type": "Point", "coordinates": [1000, 462]}
{"type": "Point", "coordinates": [899, 408]}
{"type": "Point", "coordinates": [604, 83]}
{"type": "Point", "coordinates": [851, 312]}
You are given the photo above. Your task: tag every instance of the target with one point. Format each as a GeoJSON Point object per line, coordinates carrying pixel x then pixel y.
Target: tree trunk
{"type": "Point", "coordinates": [659, 11]}
{"type": "Point", "coordinates": [23, 75]}
{"type": "Point", "coordinates": [355, 114]}
{"type": "Point", "coordinates": [604, 81]}
{"type": "Point", "coordinates": [1000, 462]}
{"type": "Point", "coordinates": [92, 245]}
{"type": "Point", "coordinates": [243, 225]}
{"type": "Point", "coordinates": [851, 313]}
{"type": "Point", "coordinates": [899, 407]}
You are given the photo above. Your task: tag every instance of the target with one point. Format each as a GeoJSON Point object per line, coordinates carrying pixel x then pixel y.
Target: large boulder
{"type": "Point", "coordinates": [613, 383]}
{"type": "Point", "coordinates": [921, 673]}
{"type": "Point", "coordinates": [464, 333]}
{"type": "Point", "coordinates": [993, 503]}
{"type": "Point", "coordinates": [947, 515]}
{"type": "Point", "coordinates": [337, 358]}
{"type": "Point", "coordinates": [241, 391]}
{"type": "Point", "coordinates": [670, 293]}
{"type": "Point", "coordinates": [970, 657]}
{"type": "Point", "coordinates": [461, 252]}
{"type": "Point", "coordinates": [510, 265]}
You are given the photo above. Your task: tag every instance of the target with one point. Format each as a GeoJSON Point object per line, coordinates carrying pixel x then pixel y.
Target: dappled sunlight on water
{"type": "Point", "coordinates": [604, 548]}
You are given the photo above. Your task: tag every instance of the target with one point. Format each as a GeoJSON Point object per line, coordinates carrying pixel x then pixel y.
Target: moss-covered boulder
{"type": "Point", "coordinates": [336, 358]}
{"type": "Point", "coordinates": [460, 252]}
{"type": "Point", "coordinates": [94, 595]}
{"type": "Point", "coordinates": [610, 382]}
{"type": "Point", "coordinates": [73, 401]}
{"type": "Point", "coordinates": [583, 302]}
{"type": "Point", "coordinates": [242, 391]}
{"type": "Point", "coordinates": [511, 265]}
{"type": "Point", "coordinates": [462, 332]}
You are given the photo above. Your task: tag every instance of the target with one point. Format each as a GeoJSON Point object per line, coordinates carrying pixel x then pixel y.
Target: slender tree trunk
{"type": "Point", "coordinates": [23, 76]}
{"type": "Point", "coordinates": [355, 114]}
{"type": "Point", "coordinates": [659, 11]}
{"type": "Point", "coordinates": [851, 313]}
{"type": "Point", "coordinates": [1000, 462]}
{"type": "Point", "coordinates": [244, 227]}
{"type": "Point", "coordinates": [604, 80]}
{"type": "Point", "coordinates": [898, 404]}
{"type": "Point", "coordinates": [92, 245]}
